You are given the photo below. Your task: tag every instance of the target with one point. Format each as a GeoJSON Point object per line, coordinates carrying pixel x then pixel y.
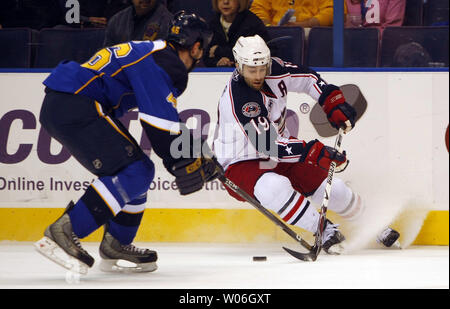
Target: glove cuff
{"type": "Point", "coordinates": [331, 97]}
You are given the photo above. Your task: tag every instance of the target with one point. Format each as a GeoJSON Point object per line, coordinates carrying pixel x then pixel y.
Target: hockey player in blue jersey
{"type": "Point", "coordinates": [81, 109]}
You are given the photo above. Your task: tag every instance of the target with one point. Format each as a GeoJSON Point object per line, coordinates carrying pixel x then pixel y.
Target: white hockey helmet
{"type": "Point", "coordinates": [251, 51]}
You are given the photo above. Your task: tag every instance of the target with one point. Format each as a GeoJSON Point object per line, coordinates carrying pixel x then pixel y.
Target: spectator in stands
{"type": "Point", "coordinates": [300, 13]}
{"type": "Point", "coordinates": [232, 20]}
{"type": "Point", "coordinates": [114, 6]}
{"type": "Point", "coordinates": [201, 8]}
{"type": "Point", "coordinates": [97, 13]}
{"type": "Point", "coordinates": [375, 13]}
{"type": "Point", "coordinates": [144, 20]}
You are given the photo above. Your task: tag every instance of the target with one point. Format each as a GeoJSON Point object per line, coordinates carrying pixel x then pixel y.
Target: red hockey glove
{"type": "Point", "coordinates": [339, 113]}
{"type": "Point", "coordinates": [317, 153]}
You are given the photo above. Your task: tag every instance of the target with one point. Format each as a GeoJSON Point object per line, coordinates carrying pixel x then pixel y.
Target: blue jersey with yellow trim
{"type": "Point", "coordinates": [143, 74]}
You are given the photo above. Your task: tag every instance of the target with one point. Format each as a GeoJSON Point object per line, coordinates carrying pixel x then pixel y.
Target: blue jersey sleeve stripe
{"type": "Point", "coordinates": [161, 124]}
{"type": "Point", "coordinates": [88, 82]}
{"type": "Point", "coordinates": [158, 45]}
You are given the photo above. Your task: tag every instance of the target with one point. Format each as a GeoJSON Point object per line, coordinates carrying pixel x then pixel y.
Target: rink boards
{"type": "Point", "coordinates": [203, 225]}
{"type": "Point", "coordinates": [399, 161]}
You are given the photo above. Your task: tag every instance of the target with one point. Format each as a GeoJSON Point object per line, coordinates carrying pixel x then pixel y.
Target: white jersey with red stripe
{"type": "Point", "coordinates": [251, 123]}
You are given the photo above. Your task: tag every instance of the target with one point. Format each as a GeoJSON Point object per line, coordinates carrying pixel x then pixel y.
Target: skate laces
{"type": "Point", "coordinates": [77, 242]}
{"type": "Point", "coordinates": [132, 248]}
{"type": "Point", "coordinates": [329, 231]}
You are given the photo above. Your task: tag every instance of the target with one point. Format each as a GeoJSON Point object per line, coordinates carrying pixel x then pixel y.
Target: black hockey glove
{"type": "Point", "coordinates": [192, 173]}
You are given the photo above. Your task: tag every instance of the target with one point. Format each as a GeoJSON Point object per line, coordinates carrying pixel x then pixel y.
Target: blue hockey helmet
{"type": "Point", "coordinates": [187, 29]}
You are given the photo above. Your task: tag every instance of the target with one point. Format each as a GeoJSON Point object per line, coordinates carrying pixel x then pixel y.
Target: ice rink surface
{"type": "Point", "coordinates": [230, 266]}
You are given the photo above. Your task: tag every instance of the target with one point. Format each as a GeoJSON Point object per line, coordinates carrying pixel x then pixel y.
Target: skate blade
{"type": "Point", "coordinates": [122, 266]}
{"type": "Point", "coordinates": [337, 249]}
{"type": "Point", "coordinates": [396, 245]}
{"type": "Point", "coordinates": [53, 252]}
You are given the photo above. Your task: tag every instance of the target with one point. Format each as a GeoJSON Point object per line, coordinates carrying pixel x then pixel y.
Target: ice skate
{"type": "Point", "coordinates": [125, 258]}
{"type": "Point", "coordinates": [389, 238]}
{"type": "Point", "coordinates": [62, 246]}
{"type": "Point", "coordinates": [332, 238]}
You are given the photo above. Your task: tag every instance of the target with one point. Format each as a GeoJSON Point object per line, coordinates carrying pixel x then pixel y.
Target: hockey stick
{"type": "Point", "coordinates": [315, 250]}
{"type": "Point", "coordinates": [301, 256]}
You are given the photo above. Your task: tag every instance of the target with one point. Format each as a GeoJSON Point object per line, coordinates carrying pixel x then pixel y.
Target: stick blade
{"type": "Point", "coordinates": [307, 257]}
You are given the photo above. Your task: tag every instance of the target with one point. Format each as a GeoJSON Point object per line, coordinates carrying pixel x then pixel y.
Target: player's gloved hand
{"type": "Point", "coordinates": [211, 168]}
{"type": "Point", "coordinates": [340, 114]}
{"type": "Point", "coordinates": [192, 173]}
{"type": "Point", "coordinates": [317, 153]}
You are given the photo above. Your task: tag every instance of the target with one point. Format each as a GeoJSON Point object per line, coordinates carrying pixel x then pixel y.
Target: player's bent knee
{"type": "Point", "coordinates": [273, 190]}
{"type": "Point", "coordinates": [339, 197]}
{"type": "Point", "coordinates": [135, 179]}
{"type": "Point", "coordinates": [343, 200]}
{"type": "Point", "coordinates": [340, 192]}
{"type": "Point", "coordinates": [145, 172]}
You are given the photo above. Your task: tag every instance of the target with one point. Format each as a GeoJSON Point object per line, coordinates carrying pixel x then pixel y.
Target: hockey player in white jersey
{"type": "Point", "coordinates": [285, 174]}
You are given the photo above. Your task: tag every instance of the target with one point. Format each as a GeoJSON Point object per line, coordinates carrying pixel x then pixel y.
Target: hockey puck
{"type": "Point", "coordinates": [259, 258]}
